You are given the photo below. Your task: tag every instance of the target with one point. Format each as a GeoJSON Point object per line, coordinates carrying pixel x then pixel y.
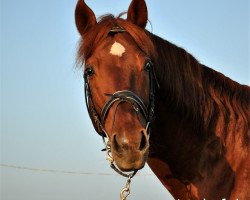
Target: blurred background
{"type": "Point", "coordinates": [49, 149]}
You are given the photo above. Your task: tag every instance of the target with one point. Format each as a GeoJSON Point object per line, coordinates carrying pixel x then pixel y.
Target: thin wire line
{"type": "Point", "coordinates": [62, 171]}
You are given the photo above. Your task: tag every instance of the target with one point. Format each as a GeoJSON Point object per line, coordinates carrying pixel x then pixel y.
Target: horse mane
{"type": "Point", "coordinates": [196, 91]}
{"type": "Point", "coordinates": [199, 92]}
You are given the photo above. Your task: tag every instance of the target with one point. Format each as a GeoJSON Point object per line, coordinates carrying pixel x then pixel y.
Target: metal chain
{"type": "Point", "coordinates": [126, 190]}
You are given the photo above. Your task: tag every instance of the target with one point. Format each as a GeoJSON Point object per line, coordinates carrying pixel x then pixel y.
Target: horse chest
{"type": "Point", "coordinates": [178, 189]}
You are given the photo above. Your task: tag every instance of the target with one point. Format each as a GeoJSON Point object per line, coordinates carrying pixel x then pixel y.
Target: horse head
{"type": "Point", "coordinates": [119, 80]}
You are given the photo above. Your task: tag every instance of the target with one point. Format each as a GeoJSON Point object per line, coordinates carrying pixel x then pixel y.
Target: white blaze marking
{"type": "Point", "coordinates": [117, 49]}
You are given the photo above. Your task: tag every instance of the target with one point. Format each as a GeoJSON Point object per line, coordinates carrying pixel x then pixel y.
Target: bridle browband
{"type": "Point", "coordinates": [117, 98]}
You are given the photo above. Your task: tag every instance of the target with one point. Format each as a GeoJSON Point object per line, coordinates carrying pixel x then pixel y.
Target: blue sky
{"type": "Point", "coordinates": [44, 123]}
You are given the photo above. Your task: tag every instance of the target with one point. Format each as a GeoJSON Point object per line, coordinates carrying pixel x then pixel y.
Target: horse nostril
{"type": "Point", "coordinates": [143, 141]}
{"type": "Point", "coordinates": [116, 145]}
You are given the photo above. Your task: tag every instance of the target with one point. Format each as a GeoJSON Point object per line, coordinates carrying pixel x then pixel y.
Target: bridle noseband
{"type": "Point", "coordinates": [117, 98]}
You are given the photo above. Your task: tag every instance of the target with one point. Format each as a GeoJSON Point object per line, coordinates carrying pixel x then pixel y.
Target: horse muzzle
{"type": "Point", "coordinates": [130, 153]}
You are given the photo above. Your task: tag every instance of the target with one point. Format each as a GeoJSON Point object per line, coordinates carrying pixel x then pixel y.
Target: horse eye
{"type": "Point", "coordinates": [89, 71]}
{"type": "Point", "coordinates": [147, 66]}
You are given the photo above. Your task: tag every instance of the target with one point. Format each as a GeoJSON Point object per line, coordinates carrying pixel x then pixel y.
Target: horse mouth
{"type": "Point", "coordinates": [130, 160]}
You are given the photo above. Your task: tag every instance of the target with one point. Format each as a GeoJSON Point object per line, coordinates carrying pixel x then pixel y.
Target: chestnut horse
{"type": "Point", "coordinates": [199, 141]}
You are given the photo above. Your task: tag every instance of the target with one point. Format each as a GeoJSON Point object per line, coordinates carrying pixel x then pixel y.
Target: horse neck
{"type": "Point", "coordinates": [188, 110]}
{"type": "Point", "coordinates": [181, 81]}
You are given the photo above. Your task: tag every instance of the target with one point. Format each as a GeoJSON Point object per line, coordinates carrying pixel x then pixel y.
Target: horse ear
{"type": "Point", "coordinates": [84, 17]}
{"type": "Point", "coordinates": [138, 13]}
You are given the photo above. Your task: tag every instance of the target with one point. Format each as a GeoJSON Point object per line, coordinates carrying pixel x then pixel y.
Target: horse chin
{"type": "Point", "coordinates": [129, 161]}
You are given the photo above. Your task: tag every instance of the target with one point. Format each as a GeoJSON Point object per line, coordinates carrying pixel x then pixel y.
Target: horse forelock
{"type": "Point", "coordinates": [90, 41]}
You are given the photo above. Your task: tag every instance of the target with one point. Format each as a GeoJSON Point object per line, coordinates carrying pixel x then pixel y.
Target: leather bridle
{"type": "Point", "coordinates": [120, 97]}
